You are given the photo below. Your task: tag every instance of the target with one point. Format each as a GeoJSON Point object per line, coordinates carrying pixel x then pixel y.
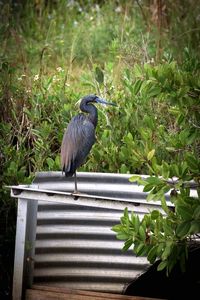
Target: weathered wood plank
{"type": "Point", "coordinates": [53, 293]}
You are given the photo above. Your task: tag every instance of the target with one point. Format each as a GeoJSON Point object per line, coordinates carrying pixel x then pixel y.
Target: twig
{"type": "Point", "coordinates": [188, 31]}
{"type": "Point", "coordinates": [184, 184]}
{"type": "Point", "coordinates": [143, 14]}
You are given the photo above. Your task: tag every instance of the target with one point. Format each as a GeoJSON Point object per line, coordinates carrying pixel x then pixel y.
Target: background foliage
{"type": "Point", "coordinates": [143, 55]}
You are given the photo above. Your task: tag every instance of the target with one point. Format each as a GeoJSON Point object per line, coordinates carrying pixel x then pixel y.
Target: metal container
{"type": "Point", "coordinates": [67, 241]}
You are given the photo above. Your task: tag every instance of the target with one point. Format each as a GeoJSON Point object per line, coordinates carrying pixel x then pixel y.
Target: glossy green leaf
{"type": "Point", "coordinates": [127, 244]}
{"type": "Point", "coordinates": [152, 255]}
{"type": "Point", "coordinates": [155, 214]}
{"type": "Point", "coordinates": [162, 265]}
{"type": "Point", "coordinates": [148, 187]}
{"type": "Point", "coordinates": [117, 228]}
{"type": "Point", "coordinates": [140, 250]}
{"type": "Point", "coordinates": [185, 212]}
{"type": "Point", "coordinates": [134, 178]}
{"type": "Point", "coordinates": [137, 86]}
{"type": "Point", "coordinates": [142, 233]}
{"type": "Point", "coordinates": [195, 227]}
{"type": "Point", "coordinates": [150, 154]}
{"type": "Point", "coordinates": [167, 250]}
{"type": "Point", "coordinates": [154, 180]}
{"type": "Point", "coordinates": [183, 229]}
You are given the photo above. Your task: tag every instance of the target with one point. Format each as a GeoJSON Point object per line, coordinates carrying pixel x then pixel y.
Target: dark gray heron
{"type": "Point", "coordinates": [79, 136]}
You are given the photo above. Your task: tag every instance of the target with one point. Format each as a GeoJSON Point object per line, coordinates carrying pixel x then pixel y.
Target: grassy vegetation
{"type": "Point", "coordinates": [143, 57]}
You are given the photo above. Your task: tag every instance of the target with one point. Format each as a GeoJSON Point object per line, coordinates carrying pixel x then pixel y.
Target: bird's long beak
{"type": "Point", "coordinates": [103, 101]}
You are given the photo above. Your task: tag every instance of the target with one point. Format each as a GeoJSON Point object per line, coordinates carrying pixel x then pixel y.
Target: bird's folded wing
{"type": "Point", "coordinates": [77, 142]}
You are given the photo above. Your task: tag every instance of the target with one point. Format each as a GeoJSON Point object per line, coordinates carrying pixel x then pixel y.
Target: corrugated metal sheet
{"type": "Point", "coordinates": [75, 246]}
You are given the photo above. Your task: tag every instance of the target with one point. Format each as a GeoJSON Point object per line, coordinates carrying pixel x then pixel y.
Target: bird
{"type": "Point", "coordinates": [79, 136]}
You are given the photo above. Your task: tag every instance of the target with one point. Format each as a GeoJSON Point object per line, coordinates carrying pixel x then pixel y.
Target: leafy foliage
{"type": "Point", "coordinates": [169, 147]}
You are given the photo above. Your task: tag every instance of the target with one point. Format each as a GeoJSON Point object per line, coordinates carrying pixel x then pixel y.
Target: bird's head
{"type": "Point", "coordinates": [95, 99]}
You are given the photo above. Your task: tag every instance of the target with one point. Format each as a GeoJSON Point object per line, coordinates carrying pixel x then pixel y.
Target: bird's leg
{"type": "Point", "coordinates": [75, 183]}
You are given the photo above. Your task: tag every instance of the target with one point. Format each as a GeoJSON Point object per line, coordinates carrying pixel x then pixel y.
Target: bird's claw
{"type": "Point", "coordinates": [75, 194]}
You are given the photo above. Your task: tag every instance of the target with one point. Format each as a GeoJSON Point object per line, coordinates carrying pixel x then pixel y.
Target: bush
{"type": "Point", "coordinates": [167, 142]}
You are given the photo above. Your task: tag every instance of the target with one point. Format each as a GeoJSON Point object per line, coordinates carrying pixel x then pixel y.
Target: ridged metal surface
{"type": "Point", "coordinates": [75, 246]}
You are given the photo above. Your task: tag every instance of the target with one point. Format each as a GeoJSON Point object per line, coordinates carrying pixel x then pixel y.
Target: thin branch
{"type": "Point", "coordinates": [188, 31]}
{"type": "Point", "coordinates": [184, 184]}
{"type": "Point", "coordinates": [143, 14]}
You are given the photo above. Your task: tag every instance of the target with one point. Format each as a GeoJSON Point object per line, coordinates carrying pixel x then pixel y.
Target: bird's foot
{"type": "Point", "coordinates": [76, 194]}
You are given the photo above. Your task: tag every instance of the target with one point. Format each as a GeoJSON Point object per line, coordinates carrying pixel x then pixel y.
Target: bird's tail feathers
{"type": "Point", "coordinates": [69, 171]}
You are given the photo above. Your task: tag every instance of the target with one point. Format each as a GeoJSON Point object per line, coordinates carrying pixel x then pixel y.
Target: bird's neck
{"type": "Point", "coordinates": [91, 110]}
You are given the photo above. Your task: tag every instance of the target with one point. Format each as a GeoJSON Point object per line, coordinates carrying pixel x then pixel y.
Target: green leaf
{"type": "Point", "coordinates": [122, 236]}
{"type": "Point", "coordinates": [151, 154]}
{"type": "Point", "coordinates": [185, 212]}
{"type": "Point", "coordinates": [183, 229]}
{"type": "Point", "coordinates": [127, 244]}
{"type": "Point", "coordinates": [137, 86]}
{"type": "Point", "coordinates": [57, 161]}
{"type": "Point", "coordinates": [137, 223]}
{"type": "Point", "coordinates": [162, 265]}
{"type": "Point", "coordinates": [148, 187]}
{"type": "Point", "coordinates": [126, 215]}
{"type": "Point", "coordinates": [142, 181]}
{"type": "Point", "coordinates": [192, 162]}
{"type": "Point", "coordinates": [180, 119]}
{"type": "Point", "coordinates": [117, 228]}
{"type": "Point", "coordinates": [142, 233]}
{"type": "Point", "coordinates": [167, 250]}
{"type": "Point", "coordinates": [154, 91]}
{"type": "Point", "coordinates": [155, 214]}
{"type": "Point", "coordinates": [152, 255]}
{"type": "Point", "coordinates": [149, 122]}
{"type": "Point", "coordinates": [128, 138]}
{"type": "Point", "coordinates": [154, 180]}
{"type": "Point", "coordinates": [165, 170]}
{"type": "Point", "coordinates": [174, 170]}
{"type": "Point", "coordinates": [160, 249]}
{"type": "Point", "coordinates": [183, 136]}
{"type": "Point", "coordinates": [140, 250]}
{"type": "Point", "coordinates": [50, 162]}
{"type": "Point", "coordinates": [138, 71]}
{"type": "Point", "coordinates": [195, 227]}
{"type": "Point", "coordinates": [150, 197]}
{"type": "Point", "coordinates": [134, 178]}
{"type": "Point", "coordinates": [164, 205]}
{"type": "Point", "coordinates": [196, 214]}
{"type": "Point", "coordinates": [99, 75]}
{"type": "Point", "coordinates": [168, 228]}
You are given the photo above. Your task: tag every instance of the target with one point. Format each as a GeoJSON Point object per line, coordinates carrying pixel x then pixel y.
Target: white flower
{"type": "Point", "coordinates": [36, 77]}
{"type": "Point", "coordinates": [55, 78]}
{"type": "Point", "coordinates": [59, 69]}
{"type": "Point", "coordinates": [75, 23]}
{"type": "Point", "coordinates": [118, 9]}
